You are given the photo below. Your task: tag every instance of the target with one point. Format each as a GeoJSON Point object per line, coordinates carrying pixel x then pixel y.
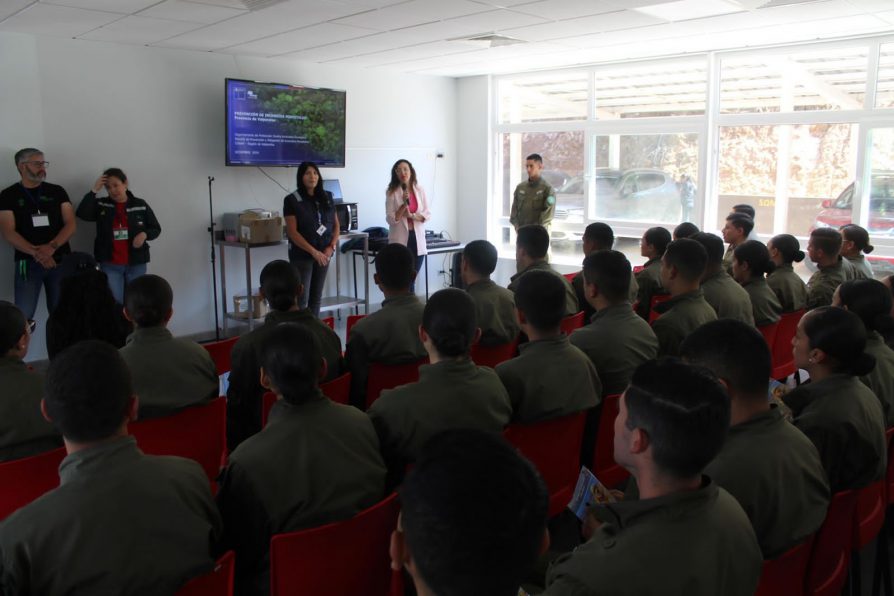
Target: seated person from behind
{"type": "Point", "coordinates": [822, 249]}
{"type": "Point", "coordinates": [751, 260]}
{"type": "Point", "coordinates": [728, 299]}
{"type": "Point", "coordinates": [23, 429]}
{"type": "Point", "coordinates": [530, 255]}
{"type": "Point", "coordinates": [314, 463]}
{"type": "Point", "coordinates": [841, 415]}
{"type": "Point", "coordinates": [597, 236]}
{"type": "Point", "coordinates": [685, 535]}
{"type": "Point", "coordinates": [452, 392]}
{"type": "Point", "coordinates": [550, 377]}
{"type": "Point", "coordinates": [494, 305]}
{"type": "Point", "coordinates": [282, 289]}
{"type": "Point", "coordinates": [854, 243]}
{"type": "Point", "coordinates": [391, 334]}
{"type": "Point", "coordinates": [687, 229]}
{"type": "Point", "coordinates": [790, 289]}
{"type": "Point", "coordinates": [120, 521]}
{"type": "Point", "coordinates": [617, 341]}
{"type": "Point", "coordinates": [652, 246]}
{"type": "Point", "coordinates": [761, 448]}
{"type": "Point", "coordinates": [473, 517]}
{"type": "Point", "coordinates": [169, 374]}
{"type": "Point", "coordinates": [682, 267]}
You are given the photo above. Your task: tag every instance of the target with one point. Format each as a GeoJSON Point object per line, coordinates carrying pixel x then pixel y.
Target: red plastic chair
{"type": "Point", "coordinates": [572, 322]}
{"type": "Point", "coordinates": [493, 355]}
{"type": "Point", "coordinates": [23, 480]}
{"type": "Point", "coordinates": [388, 376]}
{"type": "Point", "coordinates": [784, 575]}
{"type": "Point", "coordinates": [553, 446]}
{"type": "Point", "coordinates": [783, 360]}
{"type": "Point", "coordinates": [329, 322]}
{"type": "Point", "coordinates": [198, 433]}
{"type": "Point", "coordinates": [220, 352]}
{"type": "Point", "coordinates": [352, 319]}
{"type": "Point", "coordinates": [769, 332]}
{"type": "Point", "coordinates": [347, 557]}
{"type": "Point", "coordinates": [869, 519]}
{"type": "Point", "coordinates": [656, 300]}
{"type": "Point", "coordinates": [827, 569]}
{"type": "Point", "coordinates": [219, 582]}
{"type": "Point", "coordinates": [570, 276]}
{"type": "Point", "coordinates": [637, 269]}
{"type": "Point", "coordinates": [606, 470]}
{"type": "Point", "coordinates": [338, 389]}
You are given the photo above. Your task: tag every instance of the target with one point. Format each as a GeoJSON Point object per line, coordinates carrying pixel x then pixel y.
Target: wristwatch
{"type": "Point", "coordinates": [53, 244]}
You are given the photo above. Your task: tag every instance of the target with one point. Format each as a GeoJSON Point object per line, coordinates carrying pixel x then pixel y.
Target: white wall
{"type": "Point", "coordinates": [159, 115]}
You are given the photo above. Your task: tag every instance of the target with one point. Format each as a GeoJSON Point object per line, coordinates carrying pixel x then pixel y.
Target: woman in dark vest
{"type": "Point", "coordinates": [312, 228]}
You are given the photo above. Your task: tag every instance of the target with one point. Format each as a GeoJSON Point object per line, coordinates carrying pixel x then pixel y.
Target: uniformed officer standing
{"type": "Point", "coordinates": [534, 201]}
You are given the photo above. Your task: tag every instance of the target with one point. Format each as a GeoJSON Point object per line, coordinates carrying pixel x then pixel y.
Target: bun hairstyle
{"type": "Point", "coordinates": [842, 336]}
{"type": "Point", "coordinates": [789, 247]}
{"type": "Point", "coordinates": [859, 236]}
{"type": "Point", "coordinates": [449, 320]}
{"type": "Point", "coordinates": [871, 301]}
{"type": "Point", "coordinates": [756, 255]}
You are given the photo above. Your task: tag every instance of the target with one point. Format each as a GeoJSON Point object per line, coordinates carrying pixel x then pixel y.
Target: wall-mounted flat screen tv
{"type": "Point", "coordinates": [273, 124]}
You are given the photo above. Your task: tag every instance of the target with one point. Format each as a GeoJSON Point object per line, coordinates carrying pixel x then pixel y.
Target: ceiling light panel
{"type": "Point", "coordinates": [682, 10]}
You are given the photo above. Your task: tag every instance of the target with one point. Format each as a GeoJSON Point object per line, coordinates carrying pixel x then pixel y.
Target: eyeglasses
{"type": "Point", "coordinates": [37, 163]}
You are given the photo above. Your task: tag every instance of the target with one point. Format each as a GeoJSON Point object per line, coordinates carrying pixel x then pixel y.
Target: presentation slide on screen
{"type": "Point", "coordinates": [271, 124]}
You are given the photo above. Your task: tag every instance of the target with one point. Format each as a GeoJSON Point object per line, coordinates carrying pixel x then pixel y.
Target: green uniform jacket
{"type": "Point", "coordinates": [616, 341]}
{"type": "Point", "coordinates": [495, 312]}
{"type": "Point", "coordinates": [845, 421]}
{"type": "Point", "coordinates": [764, 304]}
{"type": "Point", "coordinates": [860, 267]}
{"type": "Point", "coordinates": [244, 393]}
{"type": "Point", "coordinates": [169, 374]}
{"type": "Point", "coordinates": [822, 284]}
{"type": "Point", "coordinates": [449, 395]}
{"type": "Point", "coordinates": [694, 543]}
{"type": "Point", "coordinates": [788, 287]}
{"type": "Point", "coordinates": [728, 259]}
{"type": "Point", "coordinates": [389, 336]}
{"type": "Point", "coordinates": [314, 463]}
{"type": "Point", "coordinates": [120, 523]}
{"type": "Point", "coordinates": [881, 378]}
{"type": "Point", "coordinates": [23, 429]}
{"type": "Point", "coordinates": [679, 317]}
{"type": "Point", "coordinates": [649, 282]}
{"type": "Point", "coordinates": [728, 299]}
{"type": "Point", "coordinates": [548, 379]}
{"type": "Point", "coordinates": [532, 203]}
{"type": "Point", "coordinates": [571, 305]}
{"type": "Point", "coordinates": [775, 473]}
{"type": "Point", "coordinates": [578, 284]}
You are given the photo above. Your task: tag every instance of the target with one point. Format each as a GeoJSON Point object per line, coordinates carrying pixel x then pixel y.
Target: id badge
{"type": "Point", "coordinates": [40, 220]}
{"type": "Point", "coordinates": [321, 230]}
{"type": "Point", "coordinates": [119, 233]}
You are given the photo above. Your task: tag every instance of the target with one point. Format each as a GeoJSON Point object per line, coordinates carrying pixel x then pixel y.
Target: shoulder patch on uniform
{"type": "Point", "coordinates": [551, 200]}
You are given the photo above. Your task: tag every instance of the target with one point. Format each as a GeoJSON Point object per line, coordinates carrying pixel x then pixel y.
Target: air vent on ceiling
{"type": "Point", "coordinates": [489, 40]}
{"type": "Point", "coordinates": [242, 4]}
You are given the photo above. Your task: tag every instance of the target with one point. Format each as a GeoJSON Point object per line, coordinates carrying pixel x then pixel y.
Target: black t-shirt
{"type": "Point", "coordinates": [26, 203]}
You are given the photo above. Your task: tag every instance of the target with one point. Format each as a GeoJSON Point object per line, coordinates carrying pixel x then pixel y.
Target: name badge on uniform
{"type": "Point", "coordinates": [119, 234]}
{"type": "Point", "coordinates": [321, 230]}
{"type": "Point", "coordinates": [40, 220]}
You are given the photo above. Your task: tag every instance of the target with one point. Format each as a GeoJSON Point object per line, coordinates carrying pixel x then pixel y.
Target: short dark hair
{"type": "Point", "coordinates": [842, 336]}
{"type": "Point", "coordinates": [687, 229]}
{"type": "Point", "coordinates": [449, 320]}
{"type": "Point", "coordinates": [734, 351]}
{"type": "Point", "coordinates": [535, 157]}
{"type": "Point", "coordinates": [116, 173]}
{"type": "Point", "coordinates": [685, 411]}
{"type": "Point", "coordinates": [473, 513]}
{"type": "Point", "coordinates": [480, 256]}
{"type": "Point", "coordinates": [534, 240]}
{"type": "Point", "coordinates": [858, 235]}
{"type": "Point", "coordinates": [149, 300]}
{"type": "Point", "coordinates": [658, 237]}
{"type": "Point", "coordinates": [291, 357]}
{"type": "Point", "coordinates": [540, 296]}
{"type": "Point", "coordinates": [601, 234]}
{"type": "Point", "coordinates": [608, 270]}
{"type": "Point", "coordinates": [789, 247]}
{"type": "Point", "coordinates": [870, 300]}
{"type": "Point", "coordinates": [827, 240]}
{"type": "Point", "coordinates": [713, 247]}
{"type": "Point", "coordinates": [395, 267]}
{"type": "Point", "coordinates": [688, 256]}
{"type": "Point", "coordinates": [741, 222]}
{"type": "Point", "coordinates": [12, 325]}
{"type": "Point", "coordinates": [88, 391]}
{"type": "Point", "coordinates": [756, 255]}
{"type": "Point", "coordinates": [744, 209]}
{"type": "Point", "coordinates": [280, 284]}
{"type": "Point", "coordinates": [23, 154]}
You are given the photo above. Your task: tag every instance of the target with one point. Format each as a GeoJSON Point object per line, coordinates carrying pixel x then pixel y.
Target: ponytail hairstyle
{"type": "Point", "coordinates": [858, 235]}
{"type": "Point", "coordinates": [842, 336]}
{"type": "Point", "coordinates": [871, 301]}
{"type": "Point", "coordinates": [449, 320]}
{"type": "Point", "coordinates": [789, 247]}
{"type": "Point", "coordinates": [755, 254]}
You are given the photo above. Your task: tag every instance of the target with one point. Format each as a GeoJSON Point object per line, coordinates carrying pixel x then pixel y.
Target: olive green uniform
{"type": "Point", "coordinates": [533, 203]}
{"type": "Point", "coordinates": [860, 267]}
{"type": "Point", "coordinates": [789, 288]}
{"type": "Point", "coordinates": [881, 378]}
{"type": "Point", "coordinates": [119, 523]}
{"type": "Point", "coordinates": [548, 379]}
{"type": "Point", "coordinates": [728, 259]}
{"type": "Point", "coordinates": [571, 305]}
{"type": "Point", "coordinates": [578, 284]}
{"type": "Point", "coordinates": [775, 473]}
{"type": "Point", "coordinates": [245, 393]}
{"type": "Point", "coordinates": [823, 283]}
{"type": "Point", "coordinates": [495, 312]}
{"type": "Point", "coordinates": [679, 317]}
{"type": "Point", "coordinates": [169, 374]}
{"type": "Point", "coordinates": [728, 299]}
{"type": "Point", "coordinates": [765, 305]}
{"type": "Point", "coordinates": [23, 429]}
{"type": "Point", "coordinates": [314, 463]}
{"type": "Point", "coordinates": [649, 282]}
{"type": "Point", "coordinates": [389, 336]}
{"type": "Point", "coordinates": [616, 341]}
{"type": "Point", "coordinates": [697, 543]}
{"type": "Point", "coordinates": [845, 421]}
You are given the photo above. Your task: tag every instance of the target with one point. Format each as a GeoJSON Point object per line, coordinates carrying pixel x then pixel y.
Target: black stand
{"type": "Point", "coordinates": [213, 260]}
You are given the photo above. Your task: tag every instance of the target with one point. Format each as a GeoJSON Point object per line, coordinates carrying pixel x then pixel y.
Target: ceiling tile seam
{"type": "Point", "coordinates": [19, 11]}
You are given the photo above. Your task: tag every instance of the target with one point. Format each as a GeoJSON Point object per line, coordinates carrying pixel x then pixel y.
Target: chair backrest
{"type": "Point", "coordinates": [338, 389]}
{"type": "Point", "coordinates": [829, 561]}
{"type": "Point", "coordinates": [198, 433]}
{"type": "Point", "coordinates": [346, 557]}
{"type": "Point", "coordinates": [23, 480]}
{"type": "Point", "coordinates": [493, 355]}
{"type": "Point", "coordinates": [329, 322]}
{"type": "Point", "coordinates": [218, 582]}
{"type": "Point", "coordinates": [606, 470]}
{"type": "Point", "coordinates": [572, 322]}
{"type": "Point", "coordinates": [769, 332]}
{"type": "Point", "coordinates": [220, 352]}
{"type": "Point", "coordinates": [784, 575]}
{"type": "Point", "coordinates": [656, 300]}
{"type": "Point", "coordinates": [553, 446]}
{"type": "Point", "coordinates": [388, 376]}
{"type": "Point", "coordinates": [783, 360]}
{"type": "Point", "coordinates": [869, 515]}
{"type": "Point", "coordinates": [570, 276]}
{"type": "Point", "coordinates": [352, 319]}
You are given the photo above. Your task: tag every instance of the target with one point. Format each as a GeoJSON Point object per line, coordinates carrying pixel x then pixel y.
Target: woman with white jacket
{"type": "Point", "coordinates": [407, 210]}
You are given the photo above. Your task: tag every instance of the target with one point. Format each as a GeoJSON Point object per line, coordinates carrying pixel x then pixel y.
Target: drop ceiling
{"type": "Point", "coordinates": [431, 36]}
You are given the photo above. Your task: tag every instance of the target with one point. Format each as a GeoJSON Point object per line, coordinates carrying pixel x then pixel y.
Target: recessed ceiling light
{"type": "Point", "coordinates": [683, 10]}
{"type": "Point", "coordinates": [489, 40]}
